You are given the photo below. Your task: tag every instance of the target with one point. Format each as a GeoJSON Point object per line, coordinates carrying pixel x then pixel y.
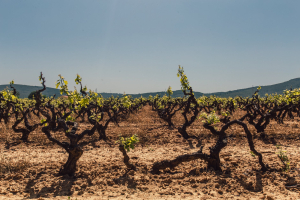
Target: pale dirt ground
{"type": "Point", "coordinates": [102, 174]}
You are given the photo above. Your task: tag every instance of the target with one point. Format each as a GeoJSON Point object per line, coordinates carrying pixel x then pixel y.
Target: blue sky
{"type": "Point", "coordinates": [135, 46]}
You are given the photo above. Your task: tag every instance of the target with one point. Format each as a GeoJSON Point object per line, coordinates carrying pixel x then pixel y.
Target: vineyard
{"type": "Point", "coordinates": [88, 147]}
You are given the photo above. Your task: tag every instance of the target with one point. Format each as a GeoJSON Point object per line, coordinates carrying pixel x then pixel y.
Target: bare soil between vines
{"type": "Point", "coordinates": [30, 171]}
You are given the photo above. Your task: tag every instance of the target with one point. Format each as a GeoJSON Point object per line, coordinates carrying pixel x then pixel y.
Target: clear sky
{"type": "Point", "coordinates": [135, 46]}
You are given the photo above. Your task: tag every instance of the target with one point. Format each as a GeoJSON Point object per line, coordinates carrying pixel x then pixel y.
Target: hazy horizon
{"type": "Point", "coordinates": [254, 86]}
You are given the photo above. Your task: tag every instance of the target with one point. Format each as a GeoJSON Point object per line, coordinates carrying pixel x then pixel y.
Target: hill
{"type": "Point", "coordinates": [270, 89]}
{"type": "Point", "coordinates": [25, 90]}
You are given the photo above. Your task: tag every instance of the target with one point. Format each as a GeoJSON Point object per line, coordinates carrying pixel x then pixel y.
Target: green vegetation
{"type": "Point", "coordinates": [283, 157]}
{"type": "Point", "coordinates": [212, 118]}
{"type": "Point", "coordinates": [62, 114]}
{"type": "Point", "coordinates": [129, 142]}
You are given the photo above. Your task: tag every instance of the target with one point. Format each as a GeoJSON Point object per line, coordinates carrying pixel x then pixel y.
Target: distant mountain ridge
{"type": "Point", "coordinates": [278, 88]}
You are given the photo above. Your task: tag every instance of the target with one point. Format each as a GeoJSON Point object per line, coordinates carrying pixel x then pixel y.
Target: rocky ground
{"type": "Point", "coordinates": [30, 170]}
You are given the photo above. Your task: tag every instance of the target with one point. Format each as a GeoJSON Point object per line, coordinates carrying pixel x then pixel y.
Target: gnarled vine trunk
{"type": "Point", "coordinates": [70, 166]}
